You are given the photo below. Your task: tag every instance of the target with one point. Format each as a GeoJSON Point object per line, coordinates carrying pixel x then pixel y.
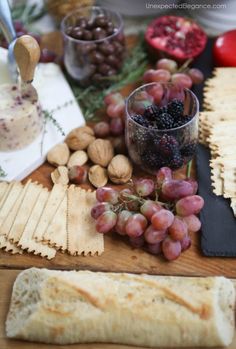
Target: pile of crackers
{"type": "Point", "coordinates": [36, 220]}
{"type": "Point", "coordinates": [218, 131]}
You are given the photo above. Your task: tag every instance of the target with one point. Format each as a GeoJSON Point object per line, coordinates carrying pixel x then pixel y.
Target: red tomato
{"type": "Point", "coordinates": [224, 50]}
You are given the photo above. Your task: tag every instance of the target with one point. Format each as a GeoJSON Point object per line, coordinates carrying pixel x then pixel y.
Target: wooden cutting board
{"type": "Point", "coordinates": [7, 278]}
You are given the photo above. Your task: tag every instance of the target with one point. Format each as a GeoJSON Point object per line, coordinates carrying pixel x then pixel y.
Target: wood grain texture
{"type": "Point", "coordinates": [7, 278]}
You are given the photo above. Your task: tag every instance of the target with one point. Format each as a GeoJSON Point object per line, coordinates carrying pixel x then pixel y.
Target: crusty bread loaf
{"type": "Point", "coordinates": [76, 307]}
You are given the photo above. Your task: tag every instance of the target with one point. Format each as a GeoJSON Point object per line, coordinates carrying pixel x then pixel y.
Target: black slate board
{"type": "Point", "coordinates": [218, 237]}
{"type": "Point", "coordinates": [218, 233]}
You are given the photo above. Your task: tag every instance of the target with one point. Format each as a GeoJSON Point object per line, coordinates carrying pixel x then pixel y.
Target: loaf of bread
{"type": "Point", "coordinates": [79, 307]}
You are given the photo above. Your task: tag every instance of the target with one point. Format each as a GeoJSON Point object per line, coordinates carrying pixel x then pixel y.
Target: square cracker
{"type": "Point", "coordinates": [31, 195]}
{"type": "Point", "coordinates": [10, 218]}
{"type": "Point", "coordinates": [55, 198]}
{"type": "Point", "coordinates": [82, 234]}
{"type": "Point", "coordinates": [27, 242]}
{"type": "Point", "coordinates": [217, 181]}
{"type": "Point", "coordinates": [8, 202]}
{"type": "Point", "coordinates": [56, 234]}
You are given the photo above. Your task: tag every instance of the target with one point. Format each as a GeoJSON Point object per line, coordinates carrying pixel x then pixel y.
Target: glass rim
{"type": "Point", "coordinates": [156, 129]}
{"type": "Point", "coordinates": [115, 13]}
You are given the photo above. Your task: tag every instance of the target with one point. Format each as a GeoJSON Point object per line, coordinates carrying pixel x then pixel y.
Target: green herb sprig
{"type": "Point", "coordinates": [91, 98]}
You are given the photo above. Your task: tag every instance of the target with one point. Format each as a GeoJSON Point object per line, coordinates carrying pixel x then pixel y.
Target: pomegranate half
{"type": "Point", "coordinates": [175, 37]}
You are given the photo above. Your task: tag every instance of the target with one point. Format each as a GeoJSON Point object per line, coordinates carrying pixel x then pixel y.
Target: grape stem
{"type": "Point", "coordinates": [189, 167]}
{"type": "Point", "coordinates": [184, 66]}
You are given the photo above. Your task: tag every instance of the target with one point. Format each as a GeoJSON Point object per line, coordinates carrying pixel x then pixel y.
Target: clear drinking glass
{"type": "Point", "coordinates": [91, 61]}
{"type": "Point", "coordinates": [152, 148]}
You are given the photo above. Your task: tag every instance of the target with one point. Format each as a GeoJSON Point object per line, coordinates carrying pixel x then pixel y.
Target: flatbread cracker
{"type": "Point", "coordinates": [55, 198]}
{"type": "Point", "coordinates": [8, 246]}
{"type": "Point", "coordinates": [82, 235]}
{"type": "Point", "coordinates": [3, 189]}
{"type": "Point", "coordinates": [27, 241]}
{"type": "Point", "coordinates": [233, 205]}
{"type": "Point", "coordinates": [56, 234]}
{"type": "Point", "coordinates": [24, 212]}
{"type": "Point", "coordinates": [8, 201]}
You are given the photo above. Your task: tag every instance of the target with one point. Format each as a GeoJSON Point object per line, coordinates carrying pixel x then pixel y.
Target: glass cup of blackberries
{"type": "Point", "coordinates": [161, 126]}
{"type": "Point", "coordinates": [94, 44]}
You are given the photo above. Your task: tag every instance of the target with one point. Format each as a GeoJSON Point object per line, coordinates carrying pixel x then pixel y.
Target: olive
{"type": "Point", "coordinates": [97, 77]}
{"type": "Point", "coordinates": [104, 68]}
{"type": "Point", "coordinates": [87, 35]}
{"type": "Point", "coordinates": [82, 22]}
{"type": "Point", "coordinates": [113, 61]}
{"type": "Point", "coordinates": [99, 33]}
{"type": "Point", "coordinates": [110, 28]}
{"type": "Point", "coordinates": [101, 21]}
{"type": "Point", "coordinates": [96, 57]}
{"type": "Point", "coordinates": [77, 33]}
{"type": "Point", "coordinates": [111, 72]}
{"type": "Point", "coordinates": [90, 24]}
{"type": "Point", "coordinates": [106, 48]}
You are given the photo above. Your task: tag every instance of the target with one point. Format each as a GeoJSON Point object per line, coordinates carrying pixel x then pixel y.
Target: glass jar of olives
{"type": "Point", "coordinates": [94, 44]}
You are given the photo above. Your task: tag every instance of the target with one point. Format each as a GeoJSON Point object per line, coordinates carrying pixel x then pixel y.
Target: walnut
{"type": "Point", "coordinates": [58, 155]}
{"type": "Point", "coordinates": [60, 175]}
{"type": "Point", "coordinates": [101, 152]}
{"type": "Point", "coordinates": [98, 176]}
{"type": "Point", "coordinates": [80, 138]}
{"type": "Point", "coordinates": [78, 158]}
{"type": "Point", "coordinates": [120, 169]}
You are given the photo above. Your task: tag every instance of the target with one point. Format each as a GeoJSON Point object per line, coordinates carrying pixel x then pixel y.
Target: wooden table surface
{"type": "Point", "coordinates": [118, 257]}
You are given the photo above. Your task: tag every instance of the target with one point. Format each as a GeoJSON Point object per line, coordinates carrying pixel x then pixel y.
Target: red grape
{"type": "Point", "coordinates": [113, 98]}
{"type": "Point", "coordinates": [144, 186]}
{"type": "Point", "coordinates": [102, 129]}
{"type": "Point", "coordinates": [171, 249]}
{"type": "Point", "coordinates": [194, 185]}
{"type": "Point", "coordinates": [136, 225]}
{"type": "Point", "coordinates": [152, 236]}
{"type": "Point", "coordinates": [193, 223]}
{"type": "Point", "coordinates": [122, 219]}
{"type": "Point", "coordinates": [99, 208]}
{"type": "Point", "coordinates": [182, 80]}
{"type": "Point", "coordinates": [163, 174]}
{"type": "Point", "coordinates": [156, 92]}
{"type": "Point", "coordinates": [185, 243]}
{"type": "Point", "coordinates": [106, 222]}
{"type": "Point", "coordinates": [196, 75]}
{"type": "Point", "coordinates": [178, 229]}
{"type": "Point", "coordinates": [176, 189]}
{"type": "Point", "coordinates": [116, 110]}
{"type": "Point", "coordinates": [189, 205]}
{"type": "Point", "coordinates": [107, 194]}
{"type": "Point", "coordinates": [137, 241]}
{"type": "Point", "coordinates": [162, 219]}
{"type": "Point", "coordinates": [161, 75]}
{"type": "Point", "coordinates": [148, 75]}
{"type": "Point", "coordinates": [154, 248]}
{"type": "Point", "coordinates": [77, 174]}
{"type": "Point", "coordinates": [168, 64]}
{"type": "Point", "coordinates": [149, 208]}
{"type": "Point", "coordinates": [116, 127]}
{"type": "Point", "coordinates": [47, 56]}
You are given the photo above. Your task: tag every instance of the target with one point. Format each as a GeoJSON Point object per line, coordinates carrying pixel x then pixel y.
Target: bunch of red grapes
{"type": "Point", "coordinates": [157, 216]}
{"type": "Point", "coordinates": [115, 109]}
{"type": "Point", "coordinates": [167, 71]}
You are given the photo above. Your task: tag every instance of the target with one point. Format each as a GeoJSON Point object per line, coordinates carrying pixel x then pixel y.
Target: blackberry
{"type": "Point", "coordinates": [163, 110]}
{"type": "Point", "coordinates": [151, 112]}
{"type": "Point", "coordinates": [152, 159]}
{"type": "Point", "coordinates": [165, 121]}
{"type": "Point", "coordinates": [188, 150]}
{"type": "Point", "coordinates": [168, 146]}
{"type": "Point", "coordinates": [175, 108]}
{"type": "Point", "coordinates": [182, 121]}
{"type": "Point", "coordinates": [176, 161]}
{"type": "Point", "coordinates": [140, 120]}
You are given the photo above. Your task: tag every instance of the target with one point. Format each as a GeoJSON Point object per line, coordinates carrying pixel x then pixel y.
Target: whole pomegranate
{"type": "Point", "coordinates": [175, 37]}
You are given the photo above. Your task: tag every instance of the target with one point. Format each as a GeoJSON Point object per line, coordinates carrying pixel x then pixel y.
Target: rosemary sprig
{"type": "Point", "coordinates": [27, 13]}
{"type": "Point", "coordinates": [48, 116]}
{"type": "Point", "coordinates": [2, 172]}
{"type": "Point", "coordinates": [91, 98]}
